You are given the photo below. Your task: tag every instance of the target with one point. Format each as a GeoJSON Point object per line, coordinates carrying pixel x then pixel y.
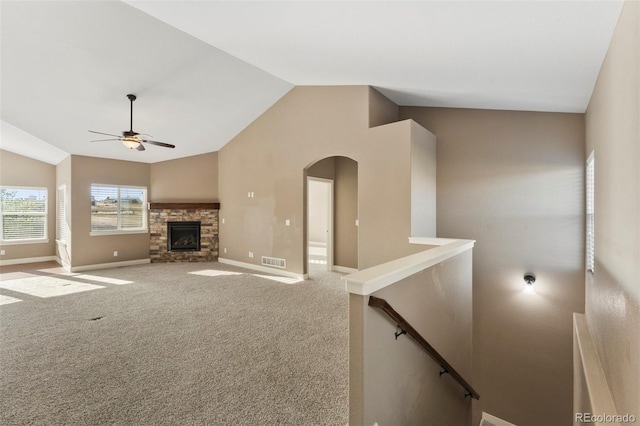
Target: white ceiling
{"type": "Point", "coordinates": [204, 70]}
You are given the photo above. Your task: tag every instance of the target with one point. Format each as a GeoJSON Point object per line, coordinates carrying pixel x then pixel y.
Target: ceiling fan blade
{"type": "Point", "coordinates": [103, 140]}
{"type": "Point", "coordinates": [101, 133]}
{"type": "Point", "coordinates": [166, 145]}
{"type": "Point", "coordinates": [140, 147]}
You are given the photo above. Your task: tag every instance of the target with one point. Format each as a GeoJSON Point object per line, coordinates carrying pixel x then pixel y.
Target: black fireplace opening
{"type": "Point", "coordinates": [183, 236]}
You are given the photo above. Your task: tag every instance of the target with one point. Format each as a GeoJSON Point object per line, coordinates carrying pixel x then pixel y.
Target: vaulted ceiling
{"type": "Point", "coordinates": [204, 70]}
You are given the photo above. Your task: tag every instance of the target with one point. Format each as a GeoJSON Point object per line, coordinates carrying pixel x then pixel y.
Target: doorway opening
{"type": "Point", "coordinates": [331, 216]}
{"type": "Point", "coordinates": [320, 224]}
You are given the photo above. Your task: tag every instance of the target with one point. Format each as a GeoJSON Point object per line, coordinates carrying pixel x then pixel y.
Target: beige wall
{"type": "Point", "coordinates": [395, 382]}
{"type": "Point", "coordinates": [189, 179]}
{"type": "Point", "coordinates": [381, 109]}
{"type": "Point", "coordinates": [307, 125]}
{"type": "Point", "coordinates": [346, 205]}
{"type": "Point", "coordinates": [17, 170]}
{"type": "Point", "coordinates": [613, 291]}
{"type": "Point", "coordinates": [88, 250]}
{"type": "Point", "coordinates": [513, 181]}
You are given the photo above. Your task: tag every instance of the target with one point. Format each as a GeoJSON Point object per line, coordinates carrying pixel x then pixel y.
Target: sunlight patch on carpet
{"type": "Point", "coordinates": [214, 273]}
{"type": "Point", "coordinates": [105, 280]}
{"type": "Point", "coordinates": [285, 280]}
{"type": "Point", "coordinates": [5, 300]}
{"type": "Point", "coordinates": [47, 286]}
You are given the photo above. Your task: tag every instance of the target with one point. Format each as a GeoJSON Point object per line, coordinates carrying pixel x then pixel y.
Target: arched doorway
{"type": "Point", "coordinates": [331, 215]}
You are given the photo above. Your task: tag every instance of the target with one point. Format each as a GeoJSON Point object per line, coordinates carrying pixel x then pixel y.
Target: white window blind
{"type": "Point", "coordinates": [118, 208]}
{"type": "Point", "coordinates": [590, 195]}
{"type": "Point", "coordinates": [62, 231]}
{"type": "Point", "coordinates": [24, 213]}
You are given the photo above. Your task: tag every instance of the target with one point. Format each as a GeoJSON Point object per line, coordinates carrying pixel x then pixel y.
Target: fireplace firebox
{"type": "Point", "coordinates": [183, 236]}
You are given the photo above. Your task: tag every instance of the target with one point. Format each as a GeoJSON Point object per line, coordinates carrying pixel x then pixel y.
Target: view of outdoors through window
{"type": "Point", "coordinates": [116, 208]}
{"type": "Point", "coordinates": [24, 213]}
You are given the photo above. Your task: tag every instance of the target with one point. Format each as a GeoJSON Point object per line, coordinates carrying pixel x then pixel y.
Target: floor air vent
{"type": "Point", "coordinates": [274, 261]}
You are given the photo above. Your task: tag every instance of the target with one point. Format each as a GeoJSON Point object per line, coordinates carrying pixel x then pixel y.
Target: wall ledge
{"type": "Point", "coordinates": [596, 382]}
{"type": "Point", "coordinates": [370, 280]}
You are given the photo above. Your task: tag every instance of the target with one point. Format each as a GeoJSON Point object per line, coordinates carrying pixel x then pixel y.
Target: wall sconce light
{"type": "Point", "coordinates": [529, 279]}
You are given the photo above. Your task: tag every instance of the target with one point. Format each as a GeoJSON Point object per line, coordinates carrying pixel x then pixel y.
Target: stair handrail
{"type": "Point", "coordinates": [406, 328]}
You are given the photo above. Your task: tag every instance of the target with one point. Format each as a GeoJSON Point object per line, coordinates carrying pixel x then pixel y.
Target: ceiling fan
{"type": "Point", "coordinates": [131, 139]}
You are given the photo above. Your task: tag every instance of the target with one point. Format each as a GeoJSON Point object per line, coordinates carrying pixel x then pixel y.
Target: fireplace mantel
{"type": "Point", "coordinates": [187, 206]}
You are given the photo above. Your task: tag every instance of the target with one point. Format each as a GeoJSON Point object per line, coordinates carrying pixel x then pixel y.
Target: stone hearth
{"type": "Point", "coordinates": [205, 213]}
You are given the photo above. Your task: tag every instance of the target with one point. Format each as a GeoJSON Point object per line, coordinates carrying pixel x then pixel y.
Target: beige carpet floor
{"type": "Point", "coordinates": [179, 344]}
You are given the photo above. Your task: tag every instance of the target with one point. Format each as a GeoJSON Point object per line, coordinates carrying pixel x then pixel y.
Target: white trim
{"type": "Point", "coordinates": [21, 242]}
{"type": "Point", "coordinates": [105, 233]}
{"type": "Point", "coordinates": [343, 269]}
{"type": "Point", "coordinates": [27, 260]}
{"type": "Point", "coordinates": [596, 383]}
{"type": "Point", "coordinates": [375, 278]}
{"type": "Point", "coordinates": [495, 420]}
{"type": "Point", "coordinates": [109, 265]}
{"type": "Point", "coordinates": [431, 241]}
{"type": "Point", "coordinates": [262, 268]}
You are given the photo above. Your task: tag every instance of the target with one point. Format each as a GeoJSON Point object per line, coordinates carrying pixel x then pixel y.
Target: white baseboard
{"type": "Point", "coordinates": [261, 268]}
{"type": "Point", "coordinates": [344, 269]}
{"type": "Point", "coordinates": [27, 260]}
{"type": "Point", "coordinates": [109, 265]}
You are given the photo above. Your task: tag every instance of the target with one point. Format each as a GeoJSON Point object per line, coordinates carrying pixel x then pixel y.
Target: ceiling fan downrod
{"type": "Point", "coordinates": [131, 99]}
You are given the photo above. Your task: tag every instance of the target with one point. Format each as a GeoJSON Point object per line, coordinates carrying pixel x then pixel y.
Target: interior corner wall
{"type": "Point", "coordinates": [188, 179]}
{"type": "Point", "coordinates": [613, 291]}
{"type": "Point", "coordinates": [268, 159]}
{"type": "Point", "coordinates": [381, 109]}
{"type": "Point", "coordinates": [13, 172]}
{"type": "Point", "coordinates": [96, 250]}
{"type": "Point", "coordinates": [514, 182]}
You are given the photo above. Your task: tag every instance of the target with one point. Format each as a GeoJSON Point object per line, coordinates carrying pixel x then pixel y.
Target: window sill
{"type": "Point", "coordinates": [105, 233]}
{"type": "Point", "coordinates": [21, 242]}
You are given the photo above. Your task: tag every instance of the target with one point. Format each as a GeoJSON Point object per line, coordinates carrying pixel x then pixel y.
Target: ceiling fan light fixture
{"type": "Point", "coordinates": [130, 142]}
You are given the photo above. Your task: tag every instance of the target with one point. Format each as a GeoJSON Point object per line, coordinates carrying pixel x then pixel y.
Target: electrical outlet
{"type": "Point", "coordinates": [2, 253]}
{"type": "Point", "coordinates": [224, 250]}
{"type": "Point", "coordinates": [223, 220]}
{"type": "Point", "coordinates": [357, 222]}
{"type": "Point", "coordinates": [115, 254]}
{"type": "Point", "coordinates": [287, 222]}
{"type": "Point", "coordinates": [251, 254]}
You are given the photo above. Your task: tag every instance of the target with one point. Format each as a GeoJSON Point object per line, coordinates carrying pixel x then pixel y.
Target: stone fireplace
{"type": "Point", "coordinates": [183, 232]}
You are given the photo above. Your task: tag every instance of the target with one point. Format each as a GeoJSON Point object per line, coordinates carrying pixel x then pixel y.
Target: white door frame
{"type": "Point", "coordinates": [329, 219]}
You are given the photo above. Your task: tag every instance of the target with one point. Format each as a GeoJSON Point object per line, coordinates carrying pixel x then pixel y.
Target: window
{"type": "Point", "coordinates": [116, 209]}
{"type": "Point", "coordinates": [62, 230]}
{"type": "Point", "coordinates": [24, 214]}
{"type": "Point", "coordinates": [590, 178]}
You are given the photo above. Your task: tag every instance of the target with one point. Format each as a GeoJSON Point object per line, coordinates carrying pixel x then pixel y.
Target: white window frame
{"type": "Point", "coordinates": [119, 230]}
{"type": "Point", "coordinates": [45, 214]}
{"type": "Point", "coordinates": [62, 231]}
{"type": "Point", "coordinates": [590, 213]}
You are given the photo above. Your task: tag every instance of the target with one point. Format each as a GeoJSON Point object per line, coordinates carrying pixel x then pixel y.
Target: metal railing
{"type": "Point", "coordinates": [406, 328]}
